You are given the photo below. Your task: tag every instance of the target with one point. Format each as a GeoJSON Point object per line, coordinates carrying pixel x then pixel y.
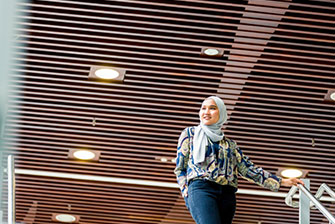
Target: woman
{"type": "Point", "coordinates": [207, 166]}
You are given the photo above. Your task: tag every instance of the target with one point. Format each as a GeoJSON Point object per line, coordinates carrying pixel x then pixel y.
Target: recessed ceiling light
{"type": "Point", "coordinates": [330, 96]}
{"type": "Point", "coordinates": [106, 74]}
{"type": "Point", "coordinates": [65, 218]}
{"type": "Point", "coordinates": [289, 173]}
{"type": "Point", "coordinates": [212, 52]}
{"type": "Point", "coordinates": [165, 159]}
{"type": "Point", "coordinates": [84, 154]}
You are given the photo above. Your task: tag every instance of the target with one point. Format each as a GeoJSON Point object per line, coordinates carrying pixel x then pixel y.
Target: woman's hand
{"type": "Point", "coordinates": [291, 181]}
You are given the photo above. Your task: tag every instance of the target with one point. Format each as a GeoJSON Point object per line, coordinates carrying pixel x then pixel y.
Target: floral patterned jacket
{"type": "Point", "coordinates": [224, 160]}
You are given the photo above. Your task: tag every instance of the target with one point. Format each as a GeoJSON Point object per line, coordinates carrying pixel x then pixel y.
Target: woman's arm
{"type": "Point", "coordinates": [256, 174]}
{"type": "Point", "coordinates": [183, 152]}
{"type": "Point", "coordinates": [248, 170]}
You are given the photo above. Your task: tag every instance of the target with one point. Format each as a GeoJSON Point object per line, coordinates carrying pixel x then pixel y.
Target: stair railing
{"type": "Point", "coordinates": [11, 189]}
{"type": "Point", "coordinates": [307, 201]}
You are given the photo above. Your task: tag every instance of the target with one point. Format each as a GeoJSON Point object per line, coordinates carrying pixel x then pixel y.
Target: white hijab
{"type": "Point", "coordinates": [203, 132]}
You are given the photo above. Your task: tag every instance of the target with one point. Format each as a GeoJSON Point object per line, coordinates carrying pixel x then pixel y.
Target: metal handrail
{"type": "Point", "coordinates": [11, 189]}
{"type": "Point", "coordinates": [324, 187]}
{"type": "Point", "coordinates": [314, 199]}
{"type": "Point", "coordinates": [289, 198]}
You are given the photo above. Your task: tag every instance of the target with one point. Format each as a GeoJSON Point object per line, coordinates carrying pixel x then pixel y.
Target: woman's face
{"type": "Point", "coordinates": [209, 112]}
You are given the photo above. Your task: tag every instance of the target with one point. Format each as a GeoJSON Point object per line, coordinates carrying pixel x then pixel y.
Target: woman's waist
{"type": "Point", "coordinates": [227, 187]}
{"type": "Point", "coordinates": [222, 181]}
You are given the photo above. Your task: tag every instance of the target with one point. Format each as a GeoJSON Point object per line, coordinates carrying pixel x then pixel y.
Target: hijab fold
{"type": "Point", "coordinates": [202, 132]}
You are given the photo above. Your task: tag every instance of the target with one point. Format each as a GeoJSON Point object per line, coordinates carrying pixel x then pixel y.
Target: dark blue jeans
{"type": "Point", "coordinates": [211, 203]}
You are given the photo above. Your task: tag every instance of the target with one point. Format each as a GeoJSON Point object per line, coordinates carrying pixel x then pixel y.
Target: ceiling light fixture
{"type": "Point", "coordinates": [212, 52]}
{"type": "Point", "coordinates": [165, 159]}
{"type": "Point", "coordinates": [106, 74]}
{"type": "Point", "coordinates": [65, 218]}
{"type": "Point", "coordinates": [84, 154]}
{"type": "Point", "coordinates": [330, 96]}
{"type": "Point", "coordinates": [292, 173]}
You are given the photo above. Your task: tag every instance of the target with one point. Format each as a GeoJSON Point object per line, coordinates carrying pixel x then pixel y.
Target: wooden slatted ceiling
{"type": "Point", "coordinates": [277, 66]}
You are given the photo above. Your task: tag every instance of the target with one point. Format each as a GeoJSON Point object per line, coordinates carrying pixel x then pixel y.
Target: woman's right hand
{"type": "Point", "coordinates": [291, 182]}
